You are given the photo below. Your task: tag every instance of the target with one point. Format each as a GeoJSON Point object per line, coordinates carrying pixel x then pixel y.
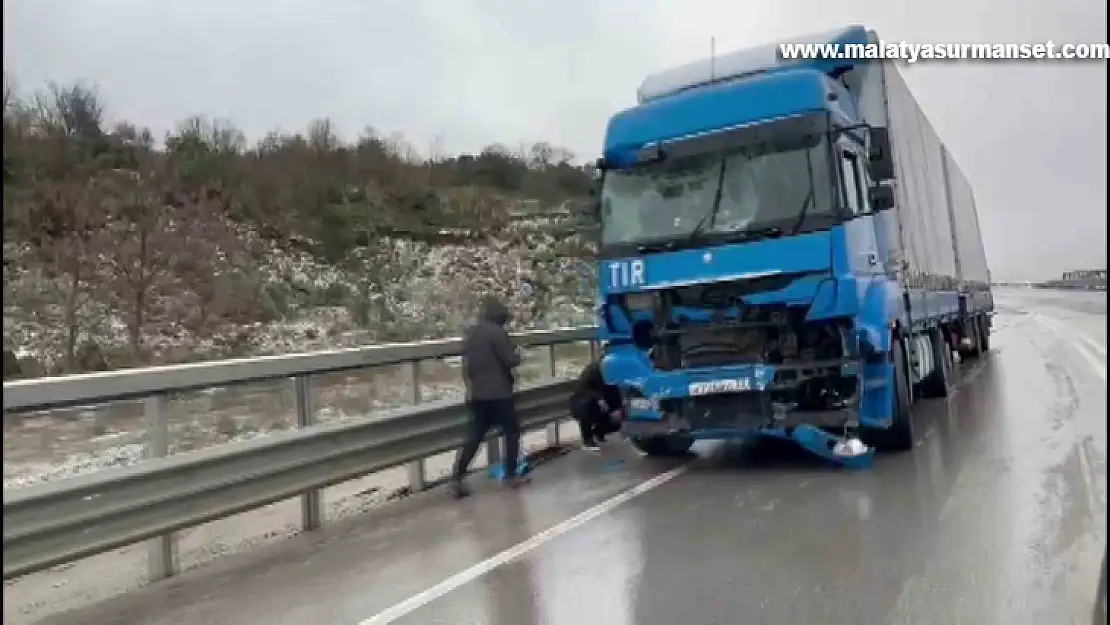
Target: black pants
{"type": "Point", "coordinates": [485, 414]}
{"type": "Point", "coordinates": [593, 422]}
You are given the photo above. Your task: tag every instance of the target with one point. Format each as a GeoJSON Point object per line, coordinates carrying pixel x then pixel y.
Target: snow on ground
{"type": "Point", "coordinates": [406, 290]}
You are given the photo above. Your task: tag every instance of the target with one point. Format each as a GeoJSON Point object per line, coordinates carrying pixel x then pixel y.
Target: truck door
{"type": "Point", "coordinates": [865, 258]}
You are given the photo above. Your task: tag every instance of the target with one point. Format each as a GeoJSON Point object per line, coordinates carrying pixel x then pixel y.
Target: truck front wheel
{"type": "Point", "coordinates": [984, 335]}
{"type": "Point", "coordinates": [899, 436]}
{"type": "Point", "coordinates": [671, 445]}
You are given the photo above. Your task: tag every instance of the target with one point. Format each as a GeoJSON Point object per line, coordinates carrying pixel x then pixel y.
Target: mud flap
{"type": "Point", "coordinates": [831, 448]}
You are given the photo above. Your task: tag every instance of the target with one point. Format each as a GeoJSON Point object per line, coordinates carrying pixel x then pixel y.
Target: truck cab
{"type": "Point", "coordinates": [749, 269]}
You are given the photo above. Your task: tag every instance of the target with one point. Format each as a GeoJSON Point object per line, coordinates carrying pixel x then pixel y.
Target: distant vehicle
{"type": "Point", "coordinates": [787, 249]}
{"type": "Point", "coordinates": [1090, 280]}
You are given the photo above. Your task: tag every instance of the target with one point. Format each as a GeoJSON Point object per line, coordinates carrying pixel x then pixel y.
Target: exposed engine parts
{"type": "Point", "coordinates": [713, 325]}
{"type": "Point", "coordinates": [705, 326]}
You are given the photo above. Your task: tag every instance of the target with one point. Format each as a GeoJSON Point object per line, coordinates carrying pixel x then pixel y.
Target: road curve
{"type": "Point", "coordinates": [997, 516]}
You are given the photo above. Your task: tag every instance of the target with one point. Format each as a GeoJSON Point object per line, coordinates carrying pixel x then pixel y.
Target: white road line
{"type": "Point", "coordinates": [1058, 325]}
{"type": "Point", "coordinates": [1099, 349]}
{"type": "Point", "coordinates": [1098, 365]}
{"type": "Point", "coordinates": [1081, 342]}
{"type": "Point", "coordinates": [485, 566]}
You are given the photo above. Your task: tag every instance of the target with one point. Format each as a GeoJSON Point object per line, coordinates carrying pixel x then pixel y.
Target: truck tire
{"type": "Point", "coordinates": [899, 436]}
{"type": "Point", "coordinates": [973, 333]}
{"type": "Point", "coordinates": [939, 382]}
{"type": "Point", "coordinates": [984, 335]}
{"type": "Point", "coordinates": [663, 446]}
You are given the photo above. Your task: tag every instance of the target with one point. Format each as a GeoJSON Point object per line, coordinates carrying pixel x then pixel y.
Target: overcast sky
{"type": "Point", "coordinates": [1030, 137]}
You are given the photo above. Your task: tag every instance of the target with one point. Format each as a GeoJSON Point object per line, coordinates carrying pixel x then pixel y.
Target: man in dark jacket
{"type": "Point", "coordinates": [488, 362]}
{"type": "Point", "coordinates": [596, 406]}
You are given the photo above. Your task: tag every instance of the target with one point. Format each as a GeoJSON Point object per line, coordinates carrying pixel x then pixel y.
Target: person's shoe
{"type": "Point", "coordinates": [458, 489]}
{"type": "Point", "coordinates": [590, 446]}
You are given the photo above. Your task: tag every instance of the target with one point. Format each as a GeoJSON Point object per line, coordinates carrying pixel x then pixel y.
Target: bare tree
{"type": "Point", "coordinates": [66, 256]}
{"type": "Point", "coordinates": [435, 159]}
{"type": "Point", "coordinates": [161, 236]}
{"type": "Point", "coordinates": [154, 227]}
{"type": "Point", "coordinates": [541, 156]}
{"type": "Point", "coordinates": [75, 255]}
{"type": "Point", "coordinates": [56, 208]}
{"type": "Point", "coordinates": [75, 111]}
{"type": "Point", "coordinates": [322, 136]}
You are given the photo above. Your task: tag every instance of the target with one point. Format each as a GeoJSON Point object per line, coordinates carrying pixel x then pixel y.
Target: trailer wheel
{"type": "Point", "coordinates": [672, 445]}
{"type": "Point", "coordinates": [939, 382]}
{"type": "Point", "coordinates": [899, 437]}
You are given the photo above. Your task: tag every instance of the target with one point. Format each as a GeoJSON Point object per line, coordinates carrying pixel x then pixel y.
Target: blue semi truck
{"type": "Point", "coordinates": [787, 249]}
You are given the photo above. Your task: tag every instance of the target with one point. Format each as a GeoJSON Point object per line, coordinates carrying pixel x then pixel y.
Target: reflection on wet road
{"type": "Point", "coordinates": [997, 516]}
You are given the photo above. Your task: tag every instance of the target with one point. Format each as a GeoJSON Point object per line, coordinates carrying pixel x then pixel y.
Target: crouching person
{"type": "Point", "coordinates": [596, 406]}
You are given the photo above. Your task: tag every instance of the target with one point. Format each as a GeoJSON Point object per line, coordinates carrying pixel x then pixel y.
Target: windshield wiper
{"type": "Point", "coordinates": [767, 232]}
{"type": "Point", "coordinates": [710, 215]}
{"type": "Point", "coordinates": [802, 212]}
{"type": "Point", "coordinates": [661, 246]}
{"type": "Point", "coordinates": [806, 202]}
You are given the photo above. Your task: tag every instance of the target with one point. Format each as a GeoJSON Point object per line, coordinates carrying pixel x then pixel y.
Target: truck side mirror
{"type": "Point", "coordinates": [881, 197]}
{"type": "Point", "coordinates": [879, 157]}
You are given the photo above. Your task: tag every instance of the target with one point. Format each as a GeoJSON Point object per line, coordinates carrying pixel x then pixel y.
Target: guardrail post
{"type": "Point", "coordinates": [162, 550]}
{"type": "Point", "coordinates": [416, 467]}
{"type": "Point", "coordinates": [553, 428]}
{"type": "Point", "coordinates": [311, 510]}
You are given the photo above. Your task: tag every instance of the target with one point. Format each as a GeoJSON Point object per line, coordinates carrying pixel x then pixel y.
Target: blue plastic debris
{"type": "Point", "coordinates": [821, 443]}
{"type": "Point", "coordinates": [612, 465]}
{"type": "Point", "coordinates": [497, 471]}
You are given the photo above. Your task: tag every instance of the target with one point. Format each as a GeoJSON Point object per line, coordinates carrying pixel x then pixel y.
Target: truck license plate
{"type": "Point", "coordinates": [714, 387]}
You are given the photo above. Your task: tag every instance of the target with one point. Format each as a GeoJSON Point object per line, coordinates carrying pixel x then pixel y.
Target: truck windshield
{"type": "Point", "coordinates": [751, 189]}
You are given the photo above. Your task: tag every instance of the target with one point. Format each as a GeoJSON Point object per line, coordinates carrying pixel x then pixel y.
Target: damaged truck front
{"type": "Point", "coordinates": [773, 260]}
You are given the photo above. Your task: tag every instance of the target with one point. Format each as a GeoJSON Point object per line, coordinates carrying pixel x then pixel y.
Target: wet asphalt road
{"type": "Point", "coordinates": [997, 516]}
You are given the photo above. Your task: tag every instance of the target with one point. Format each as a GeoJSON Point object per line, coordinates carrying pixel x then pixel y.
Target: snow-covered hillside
{"type": "Point", "coordinates": [400, 289]}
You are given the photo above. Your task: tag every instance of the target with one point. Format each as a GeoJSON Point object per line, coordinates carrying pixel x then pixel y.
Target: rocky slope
{"type": "Point", "coordinates": [402, 289]}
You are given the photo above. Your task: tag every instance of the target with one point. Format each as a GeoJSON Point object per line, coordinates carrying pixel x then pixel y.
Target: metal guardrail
{"type": "Point", "coordinates": [58, 522]}
{"type": "Point", "coordinates": [86, 388]}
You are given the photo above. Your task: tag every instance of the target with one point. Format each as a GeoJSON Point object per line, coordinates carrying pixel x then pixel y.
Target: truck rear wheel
{"type": "Point", "coordinates": [899, 436]}
{"type": "Point", "coordinates": [939, 382]}
{"type": "Point", "coordinates": [671, 445]}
